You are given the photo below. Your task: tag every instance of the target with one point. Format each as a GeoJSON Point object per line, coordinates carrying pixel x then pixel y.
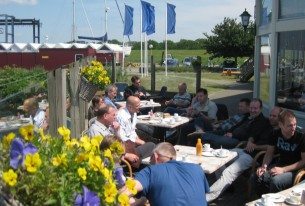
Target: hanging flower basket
{"type": "Point", "coordinates": [87, 90]}
{"type": "Point", "coordinates": [94, 77]}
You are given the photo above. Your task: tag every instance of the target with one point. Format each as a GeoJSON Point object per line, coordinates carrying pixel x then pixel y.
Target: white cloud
{"type": "Point", "coordinates": [29, 2]}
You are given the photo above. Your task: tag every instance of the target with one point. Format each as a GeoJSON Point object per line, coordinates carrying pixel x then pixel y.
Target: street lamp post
{"type": "Point", "coordinates": [245, 17]}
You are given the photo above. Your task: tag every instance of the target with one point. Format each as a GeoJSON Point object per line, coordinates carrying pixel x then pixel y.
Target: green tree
{"type": "Point", "coordinates": [229, 40]}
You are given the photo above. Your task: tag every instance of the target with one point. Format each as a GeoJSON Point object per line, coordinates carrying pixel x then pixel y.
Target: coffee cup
{"type": "Point", "coordinates": [172, 121]}
{"type": "Point", "coordinates": [222, 152]}
{"type": "Point", "coordinates": [151, 101]}
{"type": "Point", "coordinates": [295, 198]}
{"type": "Point", "coordinates": [267, 199]}
{"type": "Point", "coordinates": [207, 147]}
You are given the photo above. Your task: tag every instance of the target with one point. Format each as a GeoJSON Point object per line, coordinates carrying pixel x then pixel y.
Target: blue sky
{"type": "Point", "coordinates": [194, 17]}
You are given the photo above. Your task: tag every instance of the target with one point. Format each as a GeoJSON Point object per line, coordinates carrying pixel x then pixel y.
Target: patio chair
{"type": "Point", "coordinates": [161, 96]}
{"type": "Point", "coordinates": [120, 92]}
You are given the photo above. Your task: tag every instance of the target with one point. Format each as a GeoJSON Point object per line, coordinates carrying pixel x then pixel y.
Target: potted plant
{"type": "Point", "coordinates": [44, 170]}
{"type": "Point", "coordinates": [94, 77]}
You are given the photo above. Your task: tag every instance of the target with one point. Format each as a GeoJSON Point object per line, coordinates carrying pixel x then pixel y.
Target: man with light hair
{"type": "Point", "coordinates": [110, 94]}
{"type": "Point", "coordinates": [171, 182]}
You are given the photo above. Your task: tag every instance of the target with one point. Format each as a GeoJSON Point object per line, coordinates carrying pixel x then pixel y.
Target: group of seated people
{"type": "Point", "coordinates": [186, 183]}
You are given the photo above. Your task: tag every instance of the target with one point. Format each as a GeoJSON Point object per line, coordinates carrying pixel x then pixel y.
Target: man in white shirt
{"type": "Point", "coordinates": [127, 118]}
{"type": "Point", "coordinates": [107, 126]}
{"type": "Point", "coordinates": [31, 107]}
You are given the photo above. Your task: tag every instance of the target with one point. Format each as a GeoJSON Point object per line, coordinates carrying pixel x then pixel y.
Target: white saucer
{"type": "Point", "coordinates": [223, 155]}
{"type": "Point", "coordinates": [276, 198]}
{"type": "Point", "coordinates": [298, 190]}
{"type": "Point", "coordinates": [208, 154]}
{"type": "Point", "coordinates": [288, 200]}
{"type": "Point", "coordinates": [207, 150]}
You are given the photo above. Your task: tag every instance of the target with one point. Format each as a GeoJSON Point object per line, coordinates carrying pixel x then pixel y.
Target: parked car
{"type": "Point", "coordinates": [187, 61]}
{"type": "Point", "coordinates": [172, 63]}
{"type": "Point", "coordinates": [229, 67]}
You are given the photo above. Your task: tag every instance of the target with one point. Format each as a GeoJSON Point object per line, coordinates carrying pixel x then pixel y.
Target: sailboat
{"type": "Point", "coordinates": [126, 49]}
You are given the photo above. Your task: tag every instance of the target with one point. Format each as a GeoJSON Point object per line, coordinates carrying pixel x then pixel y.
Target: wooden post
{"type": "Point", "coordinates": [153, 74]}
{"type": "Point", "coordinates": [198, 78]}
{"type": "Point", "coordinates": [113, 75]}
{"type": "Point", "coordinates": [57, 100]}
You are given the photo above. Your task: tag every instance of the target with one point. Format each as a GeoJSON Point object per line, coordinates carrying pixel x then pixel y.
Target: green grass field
{"type": "Point", "coordinates": [135, 56]}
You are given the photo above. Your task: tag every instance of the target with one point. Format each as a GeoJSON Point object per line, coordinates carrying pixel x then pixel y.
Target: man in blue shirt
{"type": "Point", "coordinates": [171, 183]}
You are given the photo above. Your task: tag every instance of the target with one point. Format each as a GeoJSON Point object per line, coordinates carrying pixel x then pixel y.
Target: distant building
{"type": "Point", "coordinates": [279, 55]}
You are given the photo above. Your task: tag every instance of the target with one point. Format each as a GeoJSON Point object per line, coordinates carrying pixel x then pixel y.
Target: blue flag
{"type": "Point", "coordinates": [171, 19]}
{"type": "Point", "coordinates": [128, 22]}
{"type": "Point", "coordinates": [148, 18]}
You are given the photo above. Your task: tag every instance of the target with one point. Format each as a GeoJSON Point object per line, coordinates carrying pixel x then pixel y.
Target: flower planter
{"type": "Point", "coordinates": [87, 90]}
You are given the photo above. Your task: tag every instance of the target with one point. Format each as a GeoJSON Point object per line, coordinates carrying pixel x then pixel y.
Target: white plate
{"type": "Point", "coordinates": [277, 198]}
{"type": "Point", "coordinates": [298, 190]}
{"type": "Point", "coordinates": [208, 150]}
{"type": "Point", "coordinates": [153, 121]}
{"type": "Point", "coordinates": [224, 154]}
{"type": "Point", "coordinates": [288, 200]}
{"type": "Point", "coordinates": [144, 117]}
{"type": "Point", "coordinates": [207, 154]}
{"type": "Point", "coordinates": [260, 203]}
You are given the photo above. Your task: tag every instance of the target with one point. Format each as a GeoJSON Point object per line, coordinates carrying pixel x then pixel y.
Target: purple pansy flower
{"type": "Point", "coordinates": [88, 199]}
{"type": "Point", "coordinates": [18, 152]}
{"type": "Point", "coordinates": [119, 176]}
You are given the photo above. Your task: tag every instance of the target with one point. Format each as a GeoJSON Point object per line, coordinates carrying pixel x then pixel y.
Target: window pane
{"type": "Point", "coordinates": [291, 73]}
{"type": "Point", "coordinates": [264, 68]}
{"type": "Point", "coordinates": [291, 9]}
{"type": "Point", "coordinates": [266, 12]}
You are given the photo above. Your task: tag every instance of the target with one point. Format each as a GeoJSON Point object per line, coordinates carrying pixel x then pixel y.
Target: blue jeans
{"type": "Point", "coordinates": [229, 175]}
{"type": "Point", "coordinates": [270, 184]}
{"type": "Point", "coordinates": [217, 140]}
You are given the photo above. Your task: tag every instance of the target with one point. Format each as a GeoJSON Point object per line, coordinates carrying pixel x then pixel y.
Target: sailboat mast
{"type": "Point", "coordinates": [73, 22]}
{"type": "Point", "coordinates": [106, 16]}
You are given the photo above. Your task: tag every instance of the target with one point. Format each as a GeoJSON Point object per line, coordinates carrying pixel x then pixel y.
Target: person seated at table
{"type": "Point", "coordinates": [244, 161]}
{"type": "Point", "coordinates": [289, 143]}
{"type": "Point", "coordinates": [253, 126]}
{"type": "Point", "coordinates": [31, 107]}
{"type": "Point", "coordinates": [106, 125]}
{"type": "Point", "coordinates": [171, 182]}
{"type": "Point", "coordinates": [127, 118]}
{"type": "Point", "coordinates": [225, 126]}
{"type": "Point", "coordinates": [135, 89]}
{"type": "Point", "coordinates": [96, 102]}
{"type": "Point", "coordinates": [179, 102]}
{"type": "Point", "coordinates": [110, 94]}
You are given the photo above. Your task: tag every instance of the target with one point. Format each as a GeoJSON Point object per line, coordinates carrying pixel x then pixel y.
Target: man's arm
{"type": "Point", "coordinates": [295, 166]}
{"type": "Point", "coordinates": [266, 161]}
{"type": "Point", "coordinates": [251, 146]}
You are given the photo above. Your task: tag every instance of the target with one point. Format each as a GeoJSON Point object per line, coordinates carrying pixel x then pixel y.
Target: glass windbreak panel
{"type": "Point", "coordinates": [266, 12]}
{"type": "Point", "coordinates": [291, 9]}
{"type": "Point", "coordinates": [291, 71]}
{"type": "Point", "coordinates": [264, 68]}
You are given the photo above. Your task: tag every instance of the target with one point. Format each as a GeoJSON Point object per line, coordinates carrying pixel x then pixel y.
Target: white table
{"type": "Point", "coordinates": [12, 125]}
{"type": "Point", "coordinates": [285, 193]}
{"type": "Point", "coordinates": [144, 104]}
{"type": "Point", "coordinates": [208, 164]}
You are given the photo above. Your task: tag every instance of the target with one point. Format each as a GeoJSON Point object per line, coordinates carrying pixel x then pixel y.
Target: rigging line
{"type": "Point", "coordinates": [87, 18]}
{"type": "Point", "coordinates": [121, 15]}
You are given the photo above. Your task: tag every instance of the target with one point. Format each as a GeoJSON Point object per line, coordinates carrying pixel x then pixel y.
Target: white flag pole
{"type": "Point", "coordinates": [123, 58]}
{"type": "Point", "coordinates": [141, 36]}
{"type": "Point", "coordinates": [165, 42]}
{"type": "Point", "coordinates": [145, 55]}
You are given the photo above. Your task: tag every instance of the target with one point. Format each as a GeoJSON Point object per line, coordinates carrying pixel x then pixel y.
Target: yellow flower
{"type": "Point", "coordinates": [123, 200]}
{"type": "Point", "coordinates": [64, 132]}
{"type": "Point", "coordinates": [82, 173]}
{"type": "Point", "coordinates": [10, 177]}
{"type": "Point", "coordinates": [27, 132]}
{"type": "Point", "coordinates": [96, 141]}
{"type": "Point", "coordinates": [106, 172]}
{"type": "Point", "coordinates": [81, 157]}
{"type": "Point", "coordinates": [43, 137]}
{"type": "Point", "coordinates": [95, 162]}
{"type": "Point", "coordinates": [107, 153]}
{"type": "Point", "coordinates": [131, 186]}
{"type": "Point", "coordinates": [110, 192]}
{"type": "Point", "coordinates": [32, 162]}
{"type": "Point", "coordinates": [60, 160]}
{"type": "Point", "coordinates": [72, 143]}
{"type": "Point", "coordinates": [7, 139]}
{"type": "Point", "coordinates": [117, 147]}
{"type": "Point", "coordinates": [85, 143]}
